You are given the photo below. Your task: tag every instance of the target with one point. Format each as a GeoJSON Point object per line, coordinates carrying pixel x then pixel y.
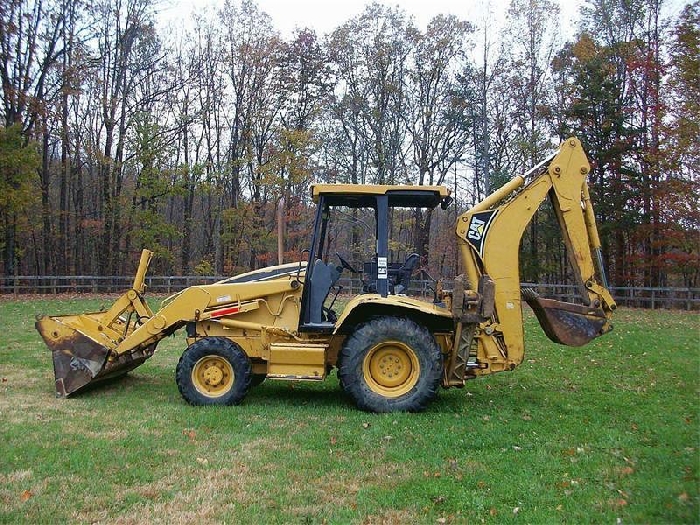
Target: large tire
{"type": "Point", "coordinates": [213, 371]}
{"type": "Point", "coordinates": [390, 364]}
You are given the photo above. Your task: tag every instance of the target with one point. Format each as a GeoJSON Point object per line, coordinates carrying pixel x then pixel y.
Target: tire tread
{"type": "Point", "coordinates": [379, 329]}
{"type": "Point", "coordinates": [222, 347]}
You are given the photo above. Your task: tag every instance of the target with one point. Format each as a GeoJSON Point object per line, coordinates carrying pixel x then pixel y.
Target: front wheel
{"type": "Point", "coordinates": [390, 364]}
{"type": "Point", "coordinates": [213, 371]}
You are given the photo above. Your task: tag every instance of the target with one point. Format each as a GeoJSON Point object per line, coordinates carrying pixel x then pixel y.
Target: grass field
{"type": "Point", "coordinates": [594, 435]}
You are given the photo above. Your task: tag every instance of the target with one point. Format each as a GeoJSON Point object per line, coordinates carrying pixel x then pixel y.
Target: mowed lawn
{"type": "Point", "coordinates": [597, 434]}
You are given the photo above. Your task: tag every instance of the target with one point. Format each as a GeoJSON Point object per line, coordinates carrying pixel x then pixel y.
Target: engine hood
{"type": "Point", "coordinates": [268, 273]}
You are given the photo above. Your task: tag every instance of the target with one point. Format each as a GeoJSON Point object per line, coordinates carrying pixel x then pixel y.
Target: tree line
{"type": "Point", "coordinates": [118, 134]}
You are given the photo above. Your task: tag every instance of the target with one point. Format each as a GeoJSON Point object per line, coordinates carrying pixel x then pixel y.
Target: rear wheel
{"type": "Point", "coordinates": [213, 371]}
{"type": "Point", "coordinates": [390, 364]}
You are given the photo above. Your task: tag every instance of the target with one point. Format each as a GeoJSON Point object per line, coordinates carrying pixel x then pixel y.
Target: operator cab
{"type": "Point", "coordinates": [353, 222]}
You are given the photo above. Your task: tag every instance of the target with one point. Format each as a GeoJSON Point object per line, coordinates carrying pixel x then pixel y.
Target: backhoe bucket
{"type": "Point", "coordinates": [79, 360]}
{"type": "Point", "coordinates": [567, 323]}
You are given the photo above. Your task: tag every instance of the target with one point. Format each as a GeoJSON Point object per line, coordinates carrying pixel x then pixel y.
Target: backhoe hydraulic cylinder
{"type": "Point", "coordinates": [500, 194]}
{"type": "Point", "coordinates": [594, 238]}
{"type": "Point", "coordinates": [140, 277]}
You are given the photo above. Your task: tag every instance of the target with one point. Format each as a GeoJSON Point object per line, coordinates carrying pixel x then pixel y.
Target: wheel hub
{"type": "Point", "coordinates": [213, 376]}
{"type": "Point", "coordinates": [391, 369]}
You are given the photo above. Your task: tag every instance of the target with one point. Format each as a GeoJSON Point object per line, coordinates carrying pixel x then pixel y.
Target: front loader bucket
{"type": "Point", "coordinates": [567, 323]}
{"type": "Point", "coordinates": [84, 346]}
{"type": "Point", "coordinates": [79, 360]}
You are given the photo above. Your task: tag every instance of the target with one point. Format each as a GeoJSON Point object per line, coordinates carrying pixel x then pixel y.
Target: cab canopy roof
{"type": "Point", "coordinates": [364, 195]}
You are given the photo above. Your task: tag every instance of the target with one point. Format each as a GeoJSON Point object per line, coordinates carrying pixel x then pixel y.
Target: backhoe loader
{"type": "Point", "coordinates": [392, 351]}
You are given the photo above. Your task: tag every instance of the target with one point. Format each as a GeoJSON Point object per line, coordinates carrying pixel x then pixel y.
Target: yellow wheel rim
{"type": "Point", "coordinates": [391, 369]}
{"type": "Point", "coordinates": [213, 376]}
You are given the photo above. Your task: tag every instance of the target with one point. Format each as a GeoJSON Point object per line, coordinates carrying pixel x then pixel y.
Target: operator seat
{"type": "Point", "coordinates": [322, 278]}
{"type": "Point", "coordinates": [404, 273]}
{"type": "Point", "coordinates": [399, 278]}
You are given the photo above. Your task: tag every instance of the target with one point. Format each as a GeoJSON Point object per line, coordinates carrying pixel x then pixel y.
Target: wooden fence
{"type": "Point", "coordinates": [636, 297]}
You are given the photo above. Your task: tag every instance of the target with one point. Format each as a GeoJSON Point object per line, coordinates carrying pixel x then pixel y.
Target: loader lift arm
{"type": "Point", "coordinates": [91, 347]}
{"type": "Point", "coordinates": [487, 302]}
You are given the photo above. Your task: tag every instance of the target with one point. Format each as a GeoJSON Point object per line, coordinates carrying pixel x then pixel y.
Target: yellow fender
{"type": "Point", "coordinates": [362, 307]}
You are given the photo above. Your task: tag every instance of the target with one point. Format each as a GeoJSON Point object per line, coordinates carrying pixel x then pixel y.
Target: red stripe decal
{"type": "Point", "coordinates": [224, 311]}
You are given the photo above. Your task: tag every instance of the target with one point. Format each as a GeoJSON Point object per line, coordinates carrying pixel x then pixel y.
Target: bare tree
{"type": "Point", "coordinates": [121, 28]}
{"type": "Point", "coordinates": [370, 57]}
{"type": "Point", "coordinates": [437, 115]}
{"type": "Point", "coordinates": [30, 38]}
{"type": "Point", "coordinates": [531, 37]}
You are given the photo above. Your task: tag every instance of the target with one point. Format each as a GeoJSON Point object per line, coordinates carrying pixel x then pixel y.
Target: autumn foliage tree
{"type": "Point", "coordinates": [680, 191]}
{"type": "Point", "coordinates": [18, 164]}
{"type": "Point", "coordinates": [611, 80]}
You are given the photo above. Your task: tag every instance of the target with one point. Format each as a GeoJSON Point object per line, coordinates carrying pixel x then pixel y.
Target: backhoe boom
{"type": "Point", "coordinates": [489, 238]}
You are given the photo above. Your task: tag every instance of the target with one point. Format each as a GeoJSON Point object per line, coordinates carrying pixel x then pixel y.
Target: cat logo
{"type": "Point", "coordinates": [478, 229]}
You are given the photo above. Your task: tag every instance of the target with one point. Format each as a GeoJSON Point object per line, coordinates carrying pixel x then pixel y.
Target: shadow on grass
{"type": "Point", "coordinates": [271, 394]}
{"type": "Point", "coordinates": [130, 384]}
{"type": "Point", "coordinates": [478, 401]}
{"type": "Point", "coordinates": [295, 393]}
{"type": "Point", "coordinates": [479, 398]}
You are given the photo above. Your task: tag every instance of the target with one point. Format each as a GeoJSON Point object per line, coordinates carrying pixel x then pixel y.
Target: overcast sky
{"type": "Point", "coordinates": [326, 15]}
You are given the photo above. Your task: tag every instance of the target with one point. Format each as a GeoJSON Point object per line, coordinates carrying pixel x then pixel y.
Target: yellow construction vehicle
{"type": "Point", "coordinates": [392, 351]}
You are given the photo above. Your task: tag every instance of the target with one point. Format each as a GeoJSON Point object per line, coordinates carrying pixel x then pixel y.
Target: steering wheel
{"type": "Point", "coordinates": [345, 264]}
